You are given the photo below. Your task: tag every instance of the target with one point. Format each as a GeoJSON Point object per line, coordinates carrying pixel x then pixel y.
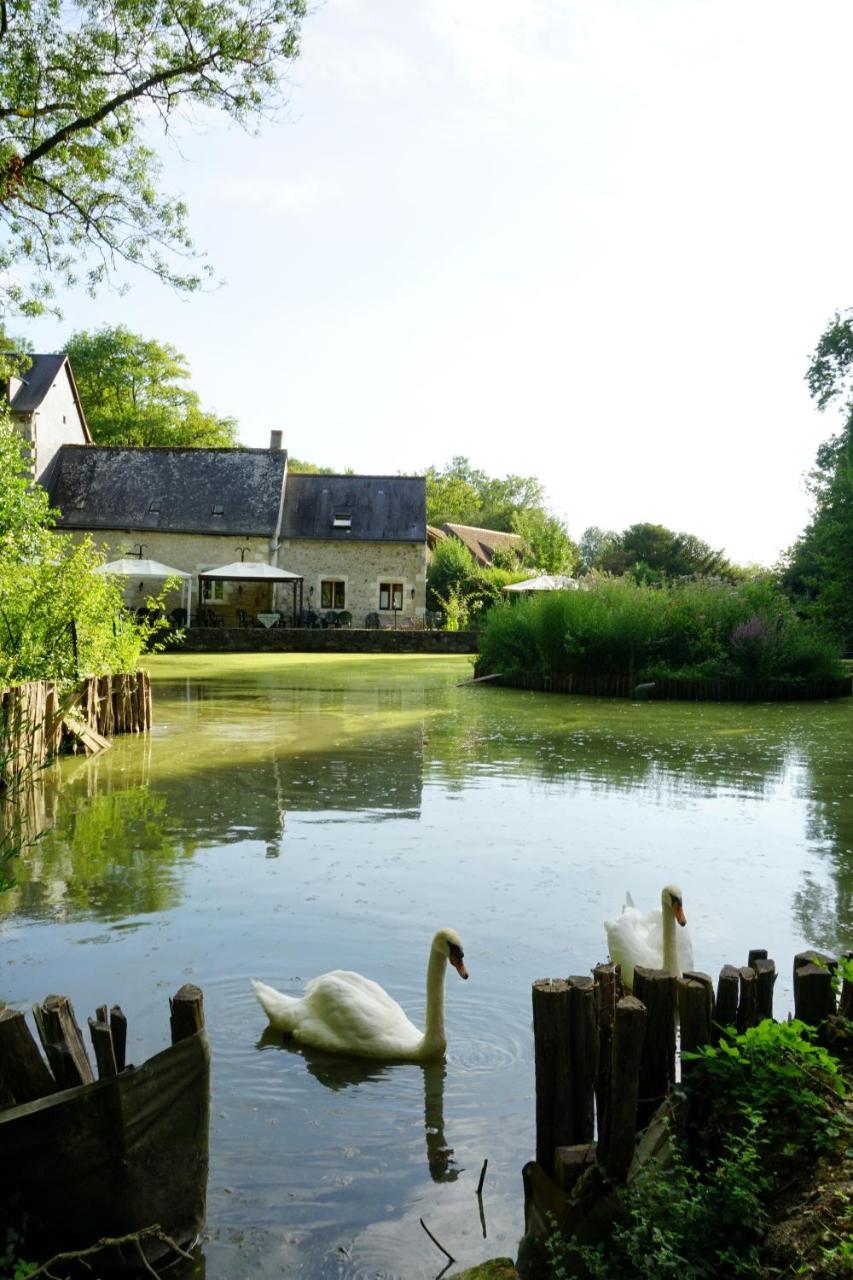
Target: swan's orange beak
{"type": "Point", "coordinates": [458, 964]}
{"type": "Point", "coordinates": [678, 912]}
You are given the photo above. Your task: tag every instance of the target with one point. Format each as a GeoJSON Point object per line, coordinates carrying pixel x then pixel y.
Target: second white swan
{"type": "Point", "coordinates": [343, 1012]}
{"type": "Point", "coordinates": [650, 940]}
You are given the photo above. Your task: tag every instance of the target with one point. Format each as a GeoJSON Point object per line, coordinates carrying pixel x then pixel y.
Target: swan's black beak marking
{"type": "Point", "coordinates": [456, 960]}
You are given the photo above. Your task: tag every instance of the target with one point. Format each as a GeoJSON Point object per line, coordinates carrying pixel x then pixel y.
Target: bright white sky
{"type": "Point", "coordinates": [591, 240]}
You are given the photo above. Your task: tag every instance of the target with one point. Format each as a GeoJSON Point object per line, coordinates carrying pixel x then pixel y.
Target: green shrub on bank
{"type": "Point", "coordinates": [58, 618]}
{"type": "Point", "coordinates": [616, 626]}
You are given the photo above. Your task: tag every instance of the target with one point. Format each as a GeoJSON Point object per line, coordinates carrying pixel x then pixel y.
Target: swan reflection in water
{"type": "Point", "coordinates": [337, 1073]}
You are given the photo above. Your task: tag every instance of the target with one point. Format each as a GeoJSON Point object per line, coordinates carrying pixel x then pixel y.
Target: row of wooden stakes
{"type": "Point", "coordinates": [26, 1075]}
{"type": "Point", "coordinates": [34, 718]}
{"type": "Point", "coordinates": [605, 1061]}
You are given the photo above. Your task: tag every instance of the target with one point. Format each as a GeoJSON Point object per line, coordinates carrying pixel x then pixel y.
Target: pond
{"type": "Point", "coordinates": [292, 814]}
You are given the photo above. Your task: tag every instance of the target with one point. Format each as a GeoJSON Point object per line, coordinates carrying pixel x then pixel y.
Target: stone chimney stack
{"type": "Point", "coordinates": [276, 441]}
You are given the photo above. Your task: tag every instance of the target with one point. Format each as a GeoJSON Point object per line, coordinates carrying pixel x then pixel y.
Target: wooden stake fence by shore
{"type": "Point", "coordinates": [604, 1056]}
{"type": "Point", "coordinates": [86, 1159]}
{"type": "Point", "coordinates": [34, 720]}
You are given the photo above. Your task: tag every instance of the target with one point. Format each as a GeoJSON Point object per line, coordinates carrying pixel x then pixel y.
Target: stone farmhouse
{"type": "Point", "coordinates": [357, 542]}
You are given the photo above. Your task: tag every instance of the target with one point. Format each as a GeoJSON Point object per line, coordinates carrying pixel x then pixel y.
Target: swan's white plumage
{"type": "Point", "coordinates": [343, 1012]}
{"type": "Point", "coordinates": [636, 938]}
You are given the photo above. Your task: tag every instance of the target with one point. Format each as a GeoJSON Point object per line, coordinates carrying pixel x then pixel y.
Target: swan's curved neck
{"type": "Point", "coordinates": [436, 969]}
{"type": "Point", "coordinates": [670, 948]}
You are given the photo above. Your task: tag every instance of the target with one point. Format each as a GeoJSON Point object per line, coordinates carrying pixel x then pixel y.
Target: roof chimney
{"type": "Point", "coordinates": [275, 441]}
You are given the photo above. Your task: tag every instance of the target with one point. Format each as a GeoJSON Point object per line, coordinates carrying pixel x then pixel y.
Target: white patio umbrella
{"type": "Point", "coordinates": [131, 567]}
{"type": "Point", "coordinates": [545, 582]}
{"type": "Point", "coordinates": [254, 571]}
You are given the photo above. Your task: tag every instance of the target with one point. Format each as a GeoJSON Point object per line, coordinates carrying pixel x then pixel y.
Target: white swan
{"type": "Point", "coordinates": [650, 939]}
{"type": "Point", "coordinates": [343, 1012]}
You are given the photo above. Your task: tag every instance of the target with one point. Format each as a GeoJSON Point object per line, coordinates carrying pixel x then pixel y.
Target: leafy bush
{"type": "Point", "coordinates": [681, 1222]}
{"type": "Point", "coordinates": [48, 583]}
{"type": "Point", "coordinates": [774, 1072]}
{"type": "Point", "coordinates": [617, 626]}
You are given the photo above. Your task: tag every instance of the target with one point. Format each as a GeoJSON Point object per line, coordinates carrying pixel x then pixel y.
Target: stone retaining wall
{"type": "Point", "coordinates": [345, 640]}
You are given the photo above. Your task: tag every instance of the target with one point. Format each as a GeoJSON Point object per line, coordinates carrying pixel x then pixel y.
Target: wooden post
{"type": "Point", "coordinates": [102, 1043]}
{"type": "Point", "coordinates": [571, 1162]}
{"type": "Point", "coordinates": [186, 1009]}
{"type": "Point", "coordinates": [765, 981]}
{"type": "Point", "coordinates": [63, 1042]}
{"type": "Point", "coordinates": [725, 1006]}
{"type": "Point", "coordinates": [657, 991]}
{"type": "Point", "coordinates": [814, 999]}
{"type": "Point", "coordinates": [608, 990]}
{"type": "Point", "coordinates": [629, 1030]}
{"type": "Point", "coordinates": [118, 1030]}
{"type": "Point", "coordinates": [583, 1044]}
{"type": "Point", "coordinates": [754, 955]}
{"type": "Point", "coordinates": [747, 1009]}
{"type": "Point", "coordinates": [22, 1067]}
{"type": "Point", "coordinates": [554, 1122]}
{"type": "Point", "coordinates": [695, 1011]}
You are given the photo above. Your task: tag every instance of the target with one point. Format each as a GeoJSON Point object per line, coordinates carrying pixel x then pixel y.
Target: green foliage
{"type": "Point", "coordinates": [818, 569]}
{"type": "Point", "coordinates": [460, 494]}
{"type": "Point", "coordinates": [80, 87]}
{"type": "Point", "coordinates": [653, 553]}
{"type": "Point", "coordinates": [617, 626]}
{"type": "Point", "coordinates": [775, 1073]}
{"type": "Point", "coordinates": [546, 539]}
{"type": "Point", "coordinates": [132, 392]}
{"type": "Point", "coordinates": [12, 1267]}
{"type": "Point", "coordinates": [46, 583]}
{"type": "Point", "coordinates": [462, 590]}
{"type": "Point", "coordinates": [683, 1222]}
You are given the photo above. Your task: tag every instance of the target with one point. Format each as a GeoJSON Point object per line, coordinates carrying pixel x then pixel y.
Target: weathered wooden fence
{"type": "Point", "coordinates": [699, 690]}
{"type": "Point", "coordinates": [605, 1061]}
{"type": "Point", "coordinates": [123, 1155]}
{"type": "Point", "coordinates": [34, 719]}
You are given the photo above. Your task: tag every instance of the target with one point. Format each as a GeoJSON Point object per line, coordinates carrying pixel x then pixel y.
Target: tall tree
{"type": "Point", "coordinates": [819, 568]}
{"type": "Point", "coordinates": [81, 82]}
{"type": "Point", "coordinates": [133, 392]}
{"type": "Point", "coordinates": [461, 494]}
{"type": "Point", "coordinates": [660, 552]}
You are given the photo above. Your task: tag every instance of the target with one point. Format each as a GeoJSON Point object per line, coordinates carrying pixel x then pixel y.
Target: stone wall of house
{"type": "Point", "coordinates": [56, 422]}
{"type": "Point", "coordinates": [191, 552]}
{"type": "Point", "coordinates": [360, 566]}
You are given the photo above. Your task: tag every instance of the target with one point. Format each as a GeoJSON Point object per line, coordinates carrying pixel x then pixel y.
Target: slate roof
{"type": "Point", "coordinates": [483, 543]}
{"type": "Point", "coordinates": [229, 491]}
{"type": "Point", "coordinates": [37, 380]}
{"type": "Point", "coordinates": [379, 508]}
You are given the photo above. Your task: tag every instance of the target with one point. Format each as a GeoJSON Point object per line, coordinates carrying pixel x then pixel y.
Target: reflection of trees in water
{"type": "Point", "coordinates": [108, 856]}
{"type": "Point", "coordinates": [824, 906]}
{"type": "Point", "coordinates": [338, 1073]}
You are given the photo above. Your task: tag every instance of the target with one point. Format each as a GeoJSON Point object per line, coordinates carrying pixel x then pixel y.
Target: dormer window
{"type": "Point", "coordinates": [218, 509]}
{"type": "Point", "coordinates": [154, 507]}
{"type": "Point", "coordinates": [341, 520]}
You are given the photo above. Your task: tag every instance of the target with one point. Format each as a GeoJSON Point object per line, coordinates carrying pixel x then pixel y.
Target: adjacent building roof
{"type": "Point", "coordinates": [355, 508]}
{"type": "Point", "coordinates": [37, 380]}
{"type": "Point", "coordinates": [229, 491]}
{"type": "Point", "coordinates": [483, 543]}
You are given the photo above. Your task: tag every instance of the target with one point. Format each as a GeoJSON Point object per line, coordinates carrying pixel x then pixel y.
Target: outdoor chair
{"type": "Point", "coordinates": [311, 618]}
{"type": "Point", "coordinates": [344, 618]}
{"type": "Point", "coordinates": [372, 620]}
{"type": "Point", "coordinates": [330, 619]}
{"type": "Point", "coordinates": [178, 617]}
{"type": "Point", "coordinates": [245, 619]}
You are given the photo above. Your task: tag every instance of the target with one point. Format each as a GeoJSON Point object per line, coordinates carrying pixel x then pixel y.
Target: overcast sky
{"type": "Point", "coordinates": [591, 240]}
